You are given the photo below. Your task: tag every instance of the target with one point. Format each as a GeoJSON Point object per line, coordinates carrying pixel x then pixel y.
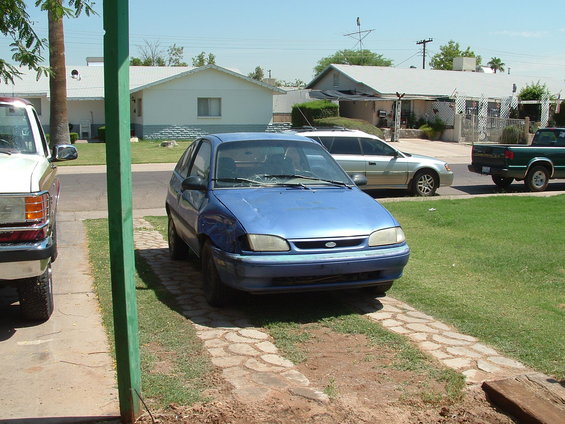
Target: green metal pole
{"type": "Point", "coordinates": [118, 159]}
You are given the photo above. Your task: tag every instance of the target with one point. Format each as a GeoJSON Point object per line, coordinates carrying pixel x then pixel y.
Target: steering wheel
{"type": "Point", "coordinates": [5, 143]}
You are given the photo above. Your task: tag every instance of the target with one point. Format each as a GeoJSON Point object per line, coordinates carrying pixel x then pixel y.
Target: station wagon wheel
{"type": "Point", "coordinates": [215, 291]}
{"type": "Point", "coordinates": [424, 183]}
{"type": "Point", "coordinates": [502, 182]}
{"type": "Point", "coordinates": [177, 247]}
{"type": "Point", "coordinates": [537, 178]}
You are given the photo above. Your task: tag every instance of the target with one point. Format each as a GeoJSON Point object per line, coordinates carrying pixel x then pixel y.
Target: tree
{"type": "Point", "coordinates": [533, 91]}
{"type": "Point", "coordinates": [258, 74]}
{"type": "Point", "coordinates": [496, 64]}
{"type": "Point", "coordinates": [448, 52]}
{"type": "Point", "coordinates": [174, 56]}
{"type": "Point", "coordinates": [352, 57]}
{"type": "Point", "coordinates": [26, 46]}
{"type": "Point", "coordinates": [203, 60]}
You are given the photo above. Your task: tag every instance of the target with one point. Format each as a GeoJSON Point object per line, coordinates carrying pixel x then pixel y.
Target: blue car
{"type": "Point", "coordinates": [270, 213]}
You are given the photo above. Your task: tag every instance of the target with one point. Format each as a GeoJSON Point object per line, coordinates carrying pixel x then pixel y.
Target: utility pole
{"type": "Point", "coordinates": [424, 42]}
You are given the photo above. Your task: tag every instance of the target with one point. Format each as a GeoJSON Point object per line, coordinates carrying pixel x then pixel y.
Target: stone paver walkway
{"type": "Point", "coordinates": [251, 362]}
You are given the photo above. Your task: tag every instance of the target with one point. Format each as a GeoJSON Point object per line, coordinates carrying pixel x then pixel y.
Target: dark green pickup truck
{"type": "Point", "coordinates": [535, 164]}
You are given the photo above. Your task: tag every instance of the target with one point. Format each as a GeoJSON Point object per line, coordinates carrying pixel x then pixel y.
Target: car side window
{"type": "Point", "coordinates": [184, 161]}
{"type": "Point", "coordinates": [345, 146]}
{"type": "Point", "coordinates": [375, 147]}
{"type": "Point", "coordinates": [201, 165]}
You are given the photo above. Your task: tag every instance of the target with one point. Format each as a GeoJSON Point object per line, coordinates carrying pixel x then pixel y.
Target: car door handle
{"type": "Point", "coordinates": [372, 163]}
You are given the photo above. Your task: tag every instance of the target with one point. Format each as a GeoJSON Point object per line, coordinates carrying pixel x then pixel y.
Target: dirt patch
{"type": "Point", "coordinates": [363, 387]}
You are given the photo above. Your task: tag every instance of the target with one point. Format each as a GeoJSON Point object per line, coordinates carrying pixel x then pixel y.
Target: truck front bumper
{"type": "Point", "coordinates": [25, 260]}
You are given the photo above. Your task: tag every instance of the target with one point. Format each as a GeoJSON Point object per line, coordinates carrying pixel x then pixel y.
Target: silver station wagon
{"type": "Point", "coordinates": [384, 166]}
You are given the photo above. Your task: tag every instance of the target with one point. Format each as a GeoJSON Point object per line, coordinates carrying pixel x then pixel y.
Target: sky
{"type": "Point", "coordinates": [287, 38]}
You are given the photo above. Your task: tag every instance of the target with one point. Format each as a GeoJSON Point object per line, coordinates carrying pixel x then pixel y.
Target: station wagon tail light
{"type": "Point", "coordinates": [386, 236]}
{"type": "Point", "coordinates": [267, 243]}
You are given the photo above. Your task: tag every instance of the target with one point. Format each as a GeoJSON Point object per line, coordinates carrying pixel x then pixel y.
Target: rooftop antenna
{"type": "Point", "coordinates": [359, 35]}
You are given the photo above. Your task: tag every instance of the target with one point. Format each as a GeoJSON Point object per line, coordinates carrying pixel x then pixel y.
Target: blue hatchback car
{"type": "Point", "coordinates": [269, 213]}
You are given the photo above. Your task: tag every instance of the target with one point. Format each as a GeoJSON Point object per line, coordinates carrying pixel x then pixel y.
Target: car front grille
{"type": "Point", "coordinates": [328, 244]}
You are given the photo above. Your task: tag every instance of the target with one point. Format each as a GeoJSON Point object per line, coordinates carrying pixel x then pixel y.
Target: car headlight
{"type": "Point", "coordinates": [386, 236]}
{"type": "Point", "coordinates": [446, 166]}
{"type": "Point", "coordinates": [267, 243]}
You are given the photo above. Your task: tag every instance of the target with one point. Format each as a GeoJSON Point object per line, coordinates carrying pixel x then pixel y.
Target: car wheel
{"type": "Point", "coordinates": [36, 296]}
{"type": "Point", "coordinates": [502, 182]}
{"type": "Point", "coordinates": [379, 290]}
{"type": "Point", "coordinates": [215, 291]}
{"type": "Point", "coordinates": [424, 183]}
{"type": "Point", "coordinates": [177, 247]}
{"type": "Point", "coordinates": [537, 178]}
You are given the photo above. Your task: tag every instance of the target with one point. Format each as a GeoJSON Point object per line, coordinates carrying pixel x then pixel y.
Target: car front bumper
{"type": "Point", "coordinates": [25, 260]}
{"type": "Point", "coordinates": [271, 273]}
{"type": "Point", "coordinates": [446, 179]}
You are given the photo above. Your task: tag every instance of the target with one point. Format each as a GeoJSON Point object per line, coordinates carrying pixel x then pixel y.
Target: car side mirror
{"type": "Point", "coordinates": [64, 152]}
{"type": "Point", "coordinates": [359, 179]}
{"type": "Point", "coordinates": [194, 182]}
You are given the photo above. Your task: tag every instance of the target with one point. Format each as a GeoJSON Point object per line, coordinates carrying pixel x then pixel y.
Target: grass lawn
{"type": "Point", "coordinates": [174, 367]}
{"type": "Point", "coordinates": [141, 152]}
{"type": "Point", "coordinates": [493, 267]}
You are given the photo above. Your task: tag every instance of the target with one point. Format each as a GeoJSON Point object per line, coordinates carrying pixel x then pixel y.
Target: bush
{"type": "Point", "coordinates": [512, 135]}
{"type": "Point", "coordinates": [353, 124]}
{"type": "Point", "coordinates": [74, 137]}
{"type": "Point", "coordinates": [304, 114]}
{"type": "Point", "coordinates": [433, 130]}
{"type": "Point", "coordinates": [102, 133]}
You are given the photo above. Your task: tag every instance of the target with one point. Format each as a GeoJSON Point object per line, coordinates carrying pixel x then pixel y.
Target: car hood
{"type": "Point", "coordinates": [302, 213]}
{"type": "Point", "coordinates": [17, 172]}
{"type": "Point", "coordinates": [421, 158]}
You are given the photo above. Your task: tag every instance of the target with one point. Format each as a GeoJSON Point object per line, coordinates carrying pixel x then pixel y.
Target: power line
{"type": "Point", "coordinates": [424, 42]}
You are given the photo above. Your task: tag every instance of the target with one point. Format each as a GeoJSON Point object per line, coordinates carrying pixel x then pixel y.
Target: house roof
{"type": "Point", "coordinates": [387, 81]}
{"type": "Point", "coordinates": [89, 84]}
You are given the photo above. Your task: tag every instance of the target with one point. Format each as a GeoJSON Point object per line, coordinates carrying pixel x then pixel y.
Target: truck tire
{"type": "Point", "coordinates": [36, 297]}
{"type": "Point", "coordinates": [537, 178]}
{"type": "Point", "coordinates": [502, 182]}
{"type": "Point", "coordinates": [424, 183]}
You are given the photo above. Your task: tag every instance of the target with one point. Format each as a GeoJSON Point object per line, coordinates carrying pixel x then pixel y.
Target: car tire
{"type": "Point", "coordinates": [36, 297]}
{"type": "Point", "coordinates": [379, 290]}
{"type": "Point", "coordinates": [215, 291]}
{"type": "Point", "coordinates": [537, 178]}
{"type": "Point", "coordinates": [424, 183]}
{"type": "Point", "coordinates": [502, 182]}
{"type": "Point", "coordinates": [178, 249]}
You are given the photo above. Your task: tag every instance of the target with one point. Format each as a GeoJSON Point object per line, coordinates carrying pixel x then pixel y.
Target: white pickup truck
{"type": "Point", "coordinates": [29, 190]}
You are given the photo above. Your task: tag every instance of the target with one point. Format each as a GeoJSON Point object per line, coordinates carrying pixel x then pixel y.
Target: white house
{"type": "Point", "coordinates": [370, 92]}
{"type": "Point", "coordinates": [166, 102]}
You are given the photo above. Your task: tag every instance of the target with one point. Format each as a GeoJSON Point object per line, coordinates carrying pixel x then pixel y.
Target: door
{"type": "Point", "coordinates": [384, 166]}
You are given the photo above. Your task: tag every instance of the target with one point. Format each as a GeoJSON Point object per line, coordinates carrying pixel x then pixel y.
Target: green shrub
{"type": "Point", "coordinates": [433, 130]}
{"type": "Point", "coordinates": [306, 113]}
{"type": "Point", "coordinates": [73, 137]}
{"type": "Point", "coordinates": [512, 135]}
{"type": "Point", "coordinates": [102, 133]}
{"type": "Point", "coordinates": [353, 124]}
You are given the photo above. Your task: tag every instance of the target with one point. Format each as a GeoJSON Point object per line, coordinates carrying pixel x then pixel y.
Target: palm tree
{"type": "Point", "coordinates": [496, 64]}
{"type": "Point", "coordinates": [58, 120]}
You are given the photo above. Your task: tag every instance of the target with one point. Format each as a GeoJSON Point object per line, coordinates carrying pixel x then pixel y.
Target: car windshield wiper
{"type": "Point", "coordinates": [238, 180]}
{"type": "Point", "coordinates": [306, 177]}
{"type": "Point", "coordinates": [6, 151]}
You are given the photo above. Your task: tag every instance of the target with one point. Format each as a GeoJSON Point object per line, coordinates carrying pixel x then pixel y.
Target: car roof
{"type": "Point", "coordinates": [14, 100]}
{"type": "Point", "coordinates": [249, 136]}
{"type": "Point", "coordinates": [333, 132]}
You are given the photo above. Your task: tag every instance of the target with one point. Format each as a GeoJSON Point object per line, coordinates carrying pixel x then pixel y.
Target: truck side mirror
{"type": "Point", "coordinates": [64, 152]}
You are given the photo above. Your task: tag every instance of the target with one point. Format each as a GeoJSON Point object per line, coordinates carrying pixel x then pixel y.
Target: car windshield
{"type": "Point", "coordinates": [291, 163]}
{"type": "Point", "coordinates": [15, 130]}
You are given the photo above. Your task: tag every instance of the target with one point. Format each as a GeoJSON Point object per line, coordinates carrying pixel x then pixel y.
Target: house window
{"type": "Point", "coordinates": [336, 79]}
{"type": "Point", "coordinates": [209, 106]}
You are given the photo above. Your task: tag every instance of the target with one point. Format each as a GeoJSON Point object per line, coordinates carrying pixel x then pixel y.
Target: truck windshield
{"type": "Point", "coordinates": [15, 130]}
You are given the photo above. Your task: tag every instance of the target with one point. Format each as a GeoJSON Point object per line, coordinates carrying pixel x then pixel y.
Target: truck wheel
{"type": "Point", "coordinates": [177, 247]}
{"type": "Point", "coordinates": [537, 178]}
{"type": "Point", "coordinates": [36, 297]}
{"type": "Point", "coordinates": [215, 291]}
{"type": "Point", "coordinates": [424, 183]}
{"type": "Point", "coordinates": [502, 182]}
